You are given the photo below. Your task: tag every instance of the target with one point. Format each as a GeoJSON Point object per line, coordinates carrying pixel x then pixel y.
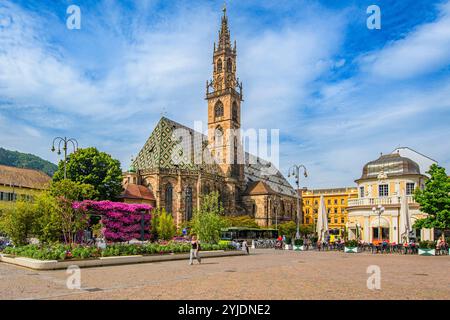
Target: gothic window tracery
{"type": "Point", "coordinates": [218, 109]}
{"type": "Point", "coordinates": [188, 204]}
{"type": "Point", "coordinates": [229, 65]}
{"type": "Point", "coordinates": [168, 198]}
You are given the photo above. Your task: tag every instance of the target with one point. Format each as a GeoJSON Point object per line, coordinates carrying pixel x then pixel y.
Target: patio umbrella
{"type": "Point", "coordinates": [322, 220]}
{"type": "Point", "coordinates": [405, 226]}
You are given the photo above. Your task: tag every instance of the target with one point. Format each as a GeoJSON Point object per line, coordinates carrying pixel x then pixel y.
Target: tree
{"type": "Point", "coordinates": [306, 229]}
{"type": "Point", "coordinates": [99, 169]}
{"type": "Point", "coordinates": [74, 191]}
{"type": "Point", "coordinates": [241, 221]}
{"type": "Point", "coordinates": [165, 227]}
{"type": "Point", "coordinates": [208, 221]}
{"type": "Point", "coordinates": [72, 221]}
{"type": "Point", "coordinates": [154, 224]}
{"type": "Point", "coordinates": [18, 222]}
{"type": "Point", "coordinates": [48, 218]}
{"type": "Point", "coordinates": [288, 229]}
{"type": "Point", "coordinates": [434, 200]}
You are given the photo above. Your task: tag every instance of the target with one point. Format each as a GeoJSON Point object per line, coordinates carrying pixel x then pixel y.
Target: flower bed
{"type": "Point", "coordinates": [121, 221]}
{"type": "Point", "coordinates": [64, 252]}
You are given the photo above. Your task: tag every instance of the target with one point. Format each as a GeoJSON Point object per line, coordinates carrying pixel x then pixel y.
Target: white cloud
{"type": "Point", "coordinates": [110, 92]}
{"type": "Point", "coordinates": [424, 50]}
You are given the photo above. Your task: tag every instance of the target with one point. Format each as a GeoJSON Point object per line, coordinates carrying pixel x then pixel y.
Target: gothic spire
{"type": "Point", "coordinates": [224, 33]}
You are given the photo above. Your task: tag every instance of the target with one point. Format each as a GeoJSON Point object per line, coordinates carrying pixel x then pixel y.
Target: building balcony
{"type": "Point", "coordinates": [394, 200]}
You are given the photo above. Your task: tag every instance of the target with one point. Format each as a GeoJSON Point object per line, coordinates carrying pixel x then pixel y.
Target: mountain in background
{"type": "Point", "coordinates": [26, 160]}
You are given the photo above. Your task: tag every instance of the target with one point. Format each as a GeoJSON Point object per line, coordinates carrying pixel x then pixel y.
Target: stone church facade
{"type": "Point", "coordinates": [165, 165]}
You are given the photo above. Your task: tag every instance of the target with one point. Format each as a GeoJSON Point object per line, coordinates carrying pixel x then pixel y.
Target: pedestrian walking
{"type": "Point", "coordinates": [245, 246]}
{"type": "Point", "coordinates": [195, 250]}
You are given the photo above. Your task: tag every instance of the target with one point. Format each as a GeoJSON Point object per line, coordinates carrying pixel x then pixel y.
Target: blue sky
{"type": "Point", "coordinates": [339, 93]}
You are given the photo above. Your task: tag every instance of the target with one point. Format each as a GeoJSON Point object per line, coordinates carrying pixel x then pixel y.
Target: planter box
{"type": "Point", "coordinates": [427, 252]}
{"type": "Point", "coordinates": [351, 249]}
{"type": "Point", "coordinates": [109, 261]}
{"type": "Point", "coordinates": [287, 247]}
{"type": "Point", "coordinates": [299, 248]}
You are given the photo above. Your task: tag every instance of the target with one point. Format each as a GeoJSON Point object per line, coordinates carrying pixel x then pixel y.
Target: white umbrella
{"type": "Point", "coordinates": [405, 226]}
{"type": "Point", "coordinates": [322, 220]}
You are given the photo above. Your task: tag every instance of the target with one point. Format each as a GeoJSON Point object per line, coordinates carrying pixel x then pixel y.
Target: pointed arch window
{"type": "Point", "coordinates": [218, 109]}
{"type": "Point", "coordinates": [188, 204]}
{"type": "Point", "coordinates": [219, 65]}
{"type": "Point", "coordinates": [169, 198]}
{"type": "Point", "coordinates": [235, 111]}
{"type": "Point", "coordinates": [229, 65]}
{"type": "Point", "coordinates": [218, 136]}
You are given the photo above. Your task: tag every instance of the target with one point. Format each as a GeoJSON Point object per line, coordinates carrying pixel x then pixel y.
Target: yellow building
{"type": "Point", "coordinates": [18, 183]}
{"type": "Point", "coordinates": [336, 201]}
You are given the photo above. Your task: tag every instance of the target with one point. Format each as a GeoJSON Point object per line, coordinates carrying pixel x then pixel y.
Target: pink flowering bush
{"type": "Point", "coordinates": [121, 221]}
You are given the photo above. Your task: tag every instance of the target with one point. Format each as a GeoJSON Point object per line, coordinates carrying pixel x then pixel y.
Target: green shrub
{"type": "Point", "coordinates": [427, 245]}
{"type": "Point", "coordinates": [166, 227]}
{"type": "Point", "coordinates": [351, 243]}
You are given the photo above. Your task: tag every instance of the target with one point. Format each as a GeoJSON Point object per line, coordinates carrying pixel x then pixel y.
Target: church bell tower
{"type": "Point", "coordinates": [224, 96]}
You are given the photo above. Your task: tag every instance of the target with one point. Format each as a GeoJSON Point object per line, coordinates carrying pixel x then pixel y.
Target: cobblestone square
{"type": "Point", "coordinates": [265, 274]}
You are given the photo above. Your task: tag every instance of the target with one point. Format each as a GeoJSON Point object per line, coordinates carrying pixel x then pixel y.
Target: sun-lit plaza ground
{"type": "Point", "coordinates": [266, 274]}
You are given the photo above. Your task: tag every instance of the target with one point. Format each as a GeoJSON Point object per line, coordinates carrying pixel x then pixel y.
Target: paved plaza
{"type": "Point", "coordinates": [266, 274]}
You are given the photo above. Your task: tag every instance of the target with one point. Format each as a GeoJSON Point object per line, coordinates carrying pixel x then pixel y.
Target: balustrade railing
{"type": "Point", "coordinates": [377, 201]}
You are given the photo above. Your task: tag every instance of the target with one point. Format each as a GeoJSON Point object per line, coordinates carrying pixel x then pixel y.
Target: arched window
{"type": "Point", "coordinates": [235, 111]}
{"type": "Point", "coordinates": [219, 65]}
{"type": "Point", "coordinates": [229, 65]}
{"type": "Point", "coordinates": [188, 204]}
{"type": "Point", "coordinates": [169, 198]}
{"type": "Point", "coordinates": [218, 109]}
{"type": "Point", "coordinates": [206, 190]}
{"type": "Point", "coordinates": [218, 136]}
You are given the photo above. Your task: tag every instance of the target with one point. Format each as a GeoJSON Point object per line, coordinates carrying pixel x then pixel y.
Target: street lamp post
{"type": "Point", "coordinates": [379, 211]}
{"type": "Point", "coordinates": [295, 172]}
{"type": "Point", "coordinates": [64, 141]}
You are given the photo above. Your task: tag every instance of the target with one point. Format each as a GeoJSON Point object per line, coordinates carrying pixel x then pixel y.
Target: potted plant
{"type": "Point", "coordinates": [351, 246]}
{"type": "Point", "coordinates": [298, 245]}
{"type": "Point", "coordinates": [288, 245]}
{"type": "Point", "coordinates": [427, 248]}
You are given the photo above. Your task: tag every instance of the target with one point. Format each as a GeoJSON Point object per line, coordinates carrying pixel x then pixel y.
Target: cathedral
{"type": "Point", "coordinates": [165, 174]}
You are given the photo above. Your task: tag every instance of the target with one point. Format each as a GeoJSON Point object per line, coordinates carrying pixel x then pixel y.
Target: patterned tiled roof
{"type": "Point", "coordinates": [157, 153]}
{"type": "Point", "coordinates": [25, 178]}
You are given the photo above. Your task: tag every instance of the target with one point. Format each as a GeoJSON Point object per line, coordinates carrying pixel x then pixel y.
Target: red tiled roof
{"type": "Point", "coordinates": [134, 191]}
{"type": "Point", "coordinates": [24, 178]}
{"type": "Point", "coordinates": [259, 188]}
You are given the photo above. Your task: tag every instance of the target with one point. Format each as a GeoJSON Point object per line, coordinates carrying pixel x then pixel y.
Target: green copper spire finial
{"type": "Point", "coordinates": [132, 169]}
